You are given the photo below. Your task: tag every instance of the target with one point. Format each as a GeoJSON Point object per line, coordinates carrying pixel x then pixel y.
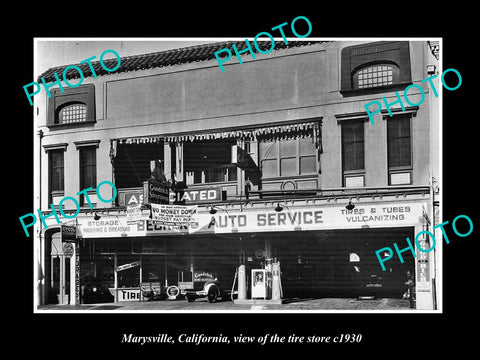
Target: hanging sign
{"type": "Point", "coordinates": [244, 161]}
{"type": "Point", "coordinates": [128, 266]}
{"type": "Point", "coordinates": [134, 213]}
{"type": "Point", "coordinates": [68, 249]}
{"type": "Point", "coordinates": [423, 270]}
{"type": "Point", "coordinates": [69, 233]}
{"type": "Point", "coordinates": [174, 214]}
{"type": "Point", "coordinates": [155, 192]}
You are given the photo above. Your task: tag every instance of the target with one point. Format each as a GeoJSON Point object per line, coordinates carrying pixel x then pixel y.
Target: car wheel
{"type": "Point", "coordinates": [212, 295]}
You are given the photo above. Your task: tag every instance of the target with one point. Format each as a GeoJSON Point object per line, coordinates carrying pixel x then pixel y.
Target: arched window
{"type": "Point", "coordinates": [72, 113]}
{"type": "Point", "coordinates": [375, 75]}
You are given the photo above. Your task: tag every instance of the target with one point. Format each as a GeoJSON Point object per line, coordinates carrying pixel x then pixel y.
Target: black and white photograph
{"type": "Point", "coordinates": [248, 185]}
{"type": "Point", "coordinates": [226, 176]}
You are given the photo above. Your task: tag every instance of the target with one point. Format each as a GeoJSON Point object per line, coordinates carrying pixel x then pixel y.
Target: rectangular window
{"type": "Point", "coordinates": [56, 170]}
{"type": "Point", "coordinates": [353, 147]}
{"type": "Point", "coordinates": [287, 157]}
{"type": "Point", "coordinates": [399, 143]}
{"type": "Point", "coordinates": [88, 167]}
{"type": "Point", "coordinates": [209, 161]}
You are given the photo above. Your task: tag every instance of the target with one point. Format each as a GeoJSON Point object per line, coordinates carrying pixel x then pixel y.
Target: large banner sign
{"type": "Point", "coordinates": [176, 219]}
{"type": "Point", "coordinates": [174, 214]}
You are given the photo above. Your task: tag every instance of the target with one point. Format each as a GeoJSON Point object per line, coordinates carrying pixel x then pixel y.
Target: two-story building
{"type": "Point", "coordinates": [277, 153]}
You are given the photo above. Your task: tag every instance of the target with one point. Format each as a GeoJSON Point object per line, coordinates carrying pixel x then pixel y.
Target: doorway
{"type": "Point", "coordinates": [60, 272]}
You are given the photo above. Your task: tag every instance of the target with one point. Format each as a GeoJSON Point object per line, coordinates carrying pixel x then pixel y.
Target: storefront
{"type": "Point", "coordinates": [324, 249]}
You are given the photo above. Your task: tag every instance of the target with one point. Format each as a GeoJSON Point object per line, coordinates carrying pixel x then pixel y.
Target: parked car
{"type": "Point", "coordinates": [95, 291]}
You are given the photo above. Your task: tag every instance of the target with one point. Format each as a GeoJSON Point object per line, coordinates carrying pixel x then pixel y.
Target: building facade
{"type": "Point", "coordinates": [276, 154]}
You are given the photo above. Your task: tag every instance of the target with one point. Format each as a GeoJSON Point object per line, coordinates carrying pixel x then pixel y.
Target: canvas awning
{"type": "Point", "coordinates": [298, 129]}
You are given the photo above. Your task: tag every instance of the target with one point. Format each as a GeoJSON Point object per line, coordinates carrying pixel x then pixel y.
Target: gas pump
{"type": "Point", "coordinates": [261, 278]}
{"type": "Point", "coordinates": [262, 281]}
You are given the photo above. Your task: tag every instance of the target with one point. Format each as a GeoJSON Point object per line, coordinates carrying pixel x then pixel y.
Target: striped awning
{"type": "Point", "coordinates": [276, 131]}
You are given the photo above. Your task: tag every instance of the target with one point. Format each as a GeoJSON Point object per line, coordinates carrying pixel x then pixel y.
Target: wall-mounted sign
{"type": "Point", "coordinates": [197, 195]}
{"type": "Point", "coordinates": [155, 192]}
{"type": "Point", "coordinates": [68, 249]}
{"type": "Point", "coordinates": [69, 233]}
{"type": "Point", "coordinates": [133, 198]}
{"type": "Point", "coordinates": [391, 214]}
{"type": "Point", "coordinates": [423, 270]}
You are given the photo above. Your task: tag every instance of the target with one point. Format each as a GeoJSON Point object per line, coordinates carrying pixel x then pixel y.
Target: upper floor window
{"type": "Point", "coordinates": [399, 141]}
{"type": "Point", "coordinates": [399, 150]}
{"type": "Point", "coordinates": [287, 157]}
{"type": "Point", "coordinates": [375, 75]}
{"type": "Point", "coordinates": [56, 170]}
{"type": "Point", "coordinates": [209, 161]}
{"type": "Point", "coordinates": [132, 163]}
{"type": "Point", "coordinates": [72, 114]}
{"type": "Point", "coordinates": [73, 106]}
{"type": "Point", "coordinates": [369, 67]}
{"type": "Point", "coordinates": [88, 167]}
{"type": "Point", "coordinates": [353, 151]}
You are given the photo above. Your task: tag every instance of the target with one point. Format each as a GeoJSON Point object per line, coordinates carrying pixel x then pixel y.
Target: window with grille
{"type": "Point", "coordinates": [375, 75]}
{"type": "Point", "coordinates": [374, 66]}
{"type": "Point", "coordinates": [72, 114]}
{"type": "Point", "coordinates": [72, 106]}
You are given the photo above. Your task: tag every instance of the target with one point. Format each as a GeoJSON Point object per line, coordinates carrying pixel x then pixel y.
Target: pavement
{"type": "Point", "coordinates": [202, 305]}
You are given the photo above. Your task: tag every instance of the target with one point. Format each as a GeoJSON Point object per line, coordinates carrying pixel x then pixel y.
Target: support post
{"type": "Point", "coordinates": [115, 277]}
{"type": "Point", "coordinates": [242, 283]}
{"type": "Point", "coordinates": [276, 287]}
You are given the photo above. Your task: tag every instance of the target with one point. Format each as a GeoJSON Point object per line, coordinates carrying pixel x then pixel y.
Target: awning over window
{"type": "Point", "coordinates": [311, 128]}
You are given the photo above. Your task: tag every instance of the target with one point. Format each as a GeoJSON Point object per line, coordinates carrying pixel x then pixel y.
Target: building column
{"type": "Point", "coordinates": [178, 171]}
{"type": "Point", "coordinates": [167, 161]}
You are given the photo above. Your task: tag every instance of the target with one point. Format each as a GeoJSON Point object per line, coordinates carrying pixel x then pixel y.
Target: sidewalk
{"type": "Point", "coordinates": [202, 305]}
